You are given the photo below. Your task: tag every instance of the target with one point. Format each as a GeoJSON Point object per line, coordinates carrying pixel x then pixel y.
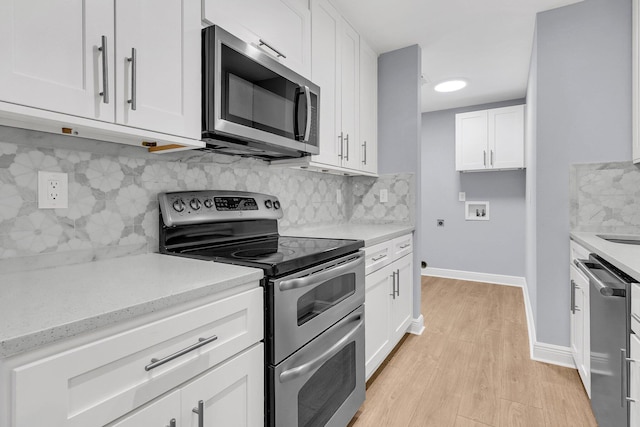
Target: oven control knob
{"type": "Point", "coordinates": [276, 204]}
{"type": "Point", "coordinates": [268, 204]}
{"type": "Point", "coordinates": [195, 204]}
{"type": "Point", "coordinates": [208, 203]}
{"type": "Point", "coordinates": [178, 205]}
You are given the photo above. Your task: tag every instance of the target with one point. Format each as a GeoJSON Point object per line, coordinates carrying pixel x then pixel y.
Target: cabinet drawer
{"type": "Point", "coordinates": [100, 381]}
{"type": "Point", "coordinates": [578, 252]}
{"type": "Point", "coordinates": [635, 306]}
{"type": "Point", "coordinates": [402, 245]}
{"type": "Point", "coordinates": [377, 256]}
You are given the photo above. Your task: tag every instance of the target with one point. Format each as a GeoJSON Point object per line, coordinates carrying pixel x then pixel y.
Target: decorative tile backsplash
{"type": "Point", "coordinates": [113, 195]}
{"type": "Point", "coordinates": [605, 197]}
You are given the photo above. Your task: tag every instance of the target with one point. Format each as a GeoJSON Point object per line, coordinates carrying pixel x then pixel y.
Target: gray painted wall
{"type": "Point", "coordinates": [399, 124]}
{"type": "Point", "coordinates": [583, 114]}
{"type": "Point", "coordinates": [495, 246]}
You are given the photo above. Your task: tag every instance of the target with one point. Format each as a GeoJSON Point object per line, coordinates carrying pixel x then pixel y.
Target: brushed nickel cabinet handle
{"type": "Point", "coordinates": [491, 157]}
{"type": "Point", "coordinates": [278, 53]}
{"type": "Point", "coordinates": [134, 68]}
{"type": "Point", "coordinates": [341, 155]}
{"type": "Point", "coordinates": [105, 70]}
{"type": "Point", "coordinates": [484, 154]}
{"type": "Point", "coordinates": [398, 284]}
{"type": "Point", "coordinates": [347, 142]}
{"type": "Point", "coordinates": [364, 157]}
{"type": "Point", "coordinates": [573, 297]}
{"type": "Point", "coordinates": [378, 258]}
{"type": "Point", "coordinates": [200, 411]}
{"type": "Point", "coordinates": [159, 362]}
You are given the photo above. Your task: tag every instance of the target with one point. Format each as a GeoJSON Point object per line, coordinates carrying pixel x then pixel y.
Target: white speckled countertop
{"type": "Point", "coordinates": [372, 234]}
{"type": "Point", "coordinates": [43, 306]}
{"type": "Point", "coordinates": [624, 256]}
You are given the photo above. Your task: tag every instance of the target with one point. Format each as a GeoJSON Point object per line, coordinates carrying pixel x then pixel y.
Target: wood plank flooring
{"type": "Point", "coordinates": [471, 368]}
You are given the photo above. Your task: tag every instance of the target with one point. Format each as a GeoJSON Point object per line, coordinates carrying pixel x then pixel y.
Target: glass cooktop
{"type": "Point", "coordinates": [277, 255]}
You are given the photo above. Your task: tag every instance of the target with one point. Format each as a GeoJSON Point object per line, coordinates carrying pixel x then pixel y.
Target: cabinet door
{"type": "Point", "coordinates": [325, 71]}
{"type": "Point", "coordinates": [402, 304]}
{"type": "Point", "coordinates": [50, 57]}
{"type": "Point", "coordinates": [506, 137]}
{"type": "Point", "coordinates": [160, 413]}
{"type": "Point", "coordinates": [350, 96]}
{"type": "Point", "coordinates": [579, 320]}
{"type": "Point", "coordinates": [377, 315]}
{"type": "Point", "coordinates": [471, 141]}
{"type": "Point", "coordinates": [368, 109]}
{"type": "Point", "coordinates": [634, 381]}
{"type": "Point", "coordinates": [166, 37]}
{"type": "Point", "coordinates": [231, 394]}
{"type": "Point", "coordinates": [285, 25]}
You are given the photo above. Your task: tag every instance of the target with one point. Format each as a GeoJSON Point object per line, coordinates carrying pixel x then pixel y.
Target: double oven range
{"type": "Point", "coordinates": [314, 294]}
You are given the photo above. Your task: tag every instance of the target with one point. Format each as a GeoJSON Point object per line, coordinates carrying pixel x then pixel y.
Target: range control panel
{"type": "Point", "coordinates": [196, 207]}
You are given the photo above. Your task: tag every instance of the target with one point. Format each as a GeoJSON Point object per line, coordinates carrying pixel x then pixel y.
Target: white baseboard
{"type": "Point", "coordinates": [553, 354]}
{"type": "Point", "coordinates": [539, 351]}
{"type": "Point", "coordinates": [417, 326]}
{"type": "Point", "coordinates": [497, 279]}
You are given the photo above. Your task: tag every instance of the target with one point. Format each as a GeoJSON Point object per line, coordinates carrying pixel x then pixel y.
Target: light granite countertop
{"type": "Point", "coordinates": [626, 257]}
{"type": "Point", "coordinates": [43, 306]}
{"type": "Point", "coordinates": [372, 234]}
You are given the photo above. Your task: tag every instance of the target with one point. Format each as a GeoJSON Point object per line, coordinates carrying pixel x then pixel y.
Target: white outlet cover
{"type": "Point", "coordinates": [45, 202]}
{"type": "Point", "coordinates": [338, 196]}
{"type": "Point", "coordinates": [462, 196]}
{"type": "Point", "coordinates": [384, 195]}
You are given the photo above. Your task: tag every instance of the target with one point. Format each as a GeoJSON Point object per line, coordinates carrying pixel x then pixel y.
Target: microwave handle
{"type": "Point", "coordinates": [307, 129]}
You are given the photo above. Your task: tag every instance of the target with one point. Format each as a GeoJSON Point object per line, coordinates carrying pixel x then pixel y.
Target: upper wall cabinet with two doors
{"type": "Point", "coordinates": [116, 70]}
{"type": "Point", "coordinates": [490, 139]}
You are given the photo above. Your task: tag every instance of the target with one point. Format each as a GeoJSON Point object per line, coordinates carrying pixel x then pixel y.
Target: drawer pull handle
{"type": "Point", "coordinates": [378, 258]}
{"type": "Point", "coordinates": [406, 245]}
{"type": "Point", "coordinates": [172, 423]}
{"type": "Point", "coordinates": [158, 362]}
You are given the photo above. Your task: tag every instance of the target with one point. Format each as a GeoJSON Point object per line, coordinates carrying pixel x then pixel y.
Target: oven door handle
{"type": "Point", "coordinates": [293, 373]}
{"type": "Point", "coordinates": [323, 276]}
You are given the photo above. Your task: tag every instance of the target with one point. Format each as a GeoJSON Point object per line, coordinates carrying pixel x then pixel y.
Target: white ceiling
{"type": "Point", "coordinates": [487, 42]}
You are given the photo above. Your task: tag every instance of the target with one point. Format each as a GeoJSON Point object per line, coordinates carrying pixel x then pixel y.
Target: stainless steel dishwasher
{"type": "Point", "coordinates": [609, 334]}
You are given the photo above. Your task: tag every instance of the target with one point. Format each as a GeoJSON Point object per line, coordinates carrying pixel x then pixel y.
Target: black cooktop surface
{"type": "Point", "coordinates": [276, 255]}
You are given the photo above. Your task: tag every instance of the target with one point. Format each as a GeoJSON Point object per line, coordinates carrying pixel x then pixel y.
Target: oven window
{"type": "Point", "coordinates": [328, 388]}
{"type": "Point", "coordinates": [325, 296]}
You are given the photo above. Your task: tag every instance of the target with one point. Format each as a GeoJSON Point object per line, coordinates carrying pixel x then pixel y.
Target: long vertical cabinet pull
{"type": "Point", "coordinates": [573, 297]}
{"type": "Point", "coordinates": [398, 284]}
{"type": "Point", "coordinates": [347, 143]}
{"type": "Point", "coordinates": [341, 155]}
{"type": "Point", "coordinates": [393, 285]}
{"type": "Point", "coordinates": [484, 154]}
{"type": "Point", "coordinates": [200, 411]}
{"type": "Point", "coordinates": [105, 70]}
{"type": "Point", "coordinates": [623, 373]}
{"type": "Point", "coordinates": [134, 69]}
{"type": "Point", "coordinates": [364, 156]}
{"type": "Point", "coordinates": [491, 158]}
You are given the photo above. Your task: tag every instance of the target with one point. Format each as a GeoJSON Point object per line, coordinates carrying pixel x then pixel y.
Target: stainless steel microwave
{"type": "Point", "coordinates": [253, 105]}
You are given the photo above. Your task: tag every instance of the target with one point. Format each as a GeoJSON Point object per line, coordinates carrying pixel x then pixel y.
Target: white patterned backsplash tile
{"type": "Point", "coordinates": [113, 196]}
{"type": "Point", "coordinates": [605, 197]}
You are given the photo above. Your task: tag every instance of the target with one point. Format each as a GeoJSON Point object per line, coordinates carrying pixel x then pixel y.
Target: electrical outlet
{"type": "Point", "coordinates": [462, 196]}
{"type": "Point", "coordinates": [53, 190]}
{"type": "Point", "coordinates": [339, 196]}
{"type": "Point", "coordinates": [384, 195]}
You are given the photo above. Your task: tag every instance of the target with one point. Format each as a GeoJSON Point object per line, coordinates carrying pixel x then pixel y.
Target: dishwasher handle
{"type": "Point", "coordinates": [602, 287]}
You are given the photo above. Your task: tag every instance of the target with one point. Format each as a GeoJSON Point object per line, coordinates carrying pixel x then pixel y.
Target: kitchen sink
{"type": "Point", "coordinates": [627, 239]}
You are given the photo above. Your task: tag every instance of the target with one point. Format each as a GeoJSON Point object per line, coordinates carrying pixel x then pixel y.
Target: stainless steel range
{"type": "Point", "coordinates": [314, 291]}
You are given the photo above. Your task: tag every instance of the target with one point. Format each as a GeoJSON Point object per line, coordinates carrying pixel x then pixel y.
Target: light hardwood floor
{"type": "Point", "coordinates": [471, 368]}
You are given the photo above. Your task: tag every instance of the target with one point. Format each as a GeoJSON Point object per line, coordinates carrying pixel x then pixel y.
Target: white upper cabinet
{"type": "Point", "coordinates": [635, 17]}
{"type": "Point", "coordinates": [50, 56]}
{"type": "Point", "coordinates": [368, 108]}
{"type": "Point", "coordinates": [159, 89]}
{"type": "Point", "coordinates": [281, 28]}
{"type": "Point", "coordinates": [490, 139]}
{"type": "Point", "coordinates": [335, 67]}
{"type": "Point", "coordinates": [69, 66]}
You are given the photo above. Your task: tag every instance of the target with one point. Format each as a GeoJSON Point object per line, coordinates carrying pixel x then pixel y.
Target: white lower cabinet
{"type": "Point", "coordinates": [197, 354]}
{"type": "Point", "coordinates": [388, 299]}
{"type": "Point", "coordinates": [579, 318]}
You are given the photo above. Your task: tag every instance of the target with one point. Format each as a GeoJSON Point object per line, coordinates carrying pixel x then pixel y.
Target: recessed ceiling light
{"type": "Point", "coordinates": [450, 85]}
